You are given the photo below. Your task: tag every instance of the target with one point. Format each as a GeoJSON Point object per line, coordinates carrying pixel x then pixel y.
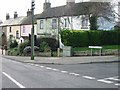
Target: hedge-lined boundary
{"type": "Point", "coordinates": [82, 38]}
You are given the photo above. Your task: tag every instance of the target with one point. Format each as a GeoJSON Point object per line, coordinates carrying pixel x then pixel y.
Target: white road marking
{"type": "Point", "coordinates": [88, 77]}
{"type": "Point", "coordinates": [64, 71]}
{"type": "Point", "coordinates": [117, 84]}
{"type": "Point", "coordinates": [42, 66]}
{"type": "Point", "coordinates": [113, 79]}
{"type": "Point", "coordinates": [105, 81]}
{"type": "Point", "coordinates": [48, 68]}
{"type": "Point", "coordinates": [56, 69]}
{"type": "Point", "coordinates": [13, 80]}
{"type": "Point", "coordinates": [74, 74]}
{"type": "Point", "coordinates": [36, 65]}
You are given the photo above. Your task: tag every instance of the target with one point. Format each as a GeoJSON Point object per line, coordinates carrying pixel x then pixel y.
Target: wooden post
{"type": "Point", "coordinates": [91, 52]}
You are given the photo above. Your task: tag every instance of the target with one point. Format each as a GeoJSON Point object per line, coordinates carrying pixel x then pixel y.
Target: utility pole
{"type": "Point", "coordinates": [58, 50]}
{"type": "Point", "coordinates": [32, 30]}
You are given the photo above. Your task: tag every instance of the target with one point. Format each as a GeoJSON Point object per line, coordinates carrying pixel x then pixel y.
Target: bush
{"type": "Point", "coordinates": [81, 38]}
{"type": "Point", "coordinates": [47, 42]}
{"type": "Point", "coordinates": [22, 46]}
{"type": "Point", "coordinates": [43, 46]}
{"type": "Point", "coordinates": [13, 44]}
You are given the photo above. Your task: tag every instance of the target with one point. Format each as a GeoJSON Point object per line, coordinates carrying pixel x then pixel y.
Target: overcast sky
{"type": "Point", "coordinates": [21, 6]}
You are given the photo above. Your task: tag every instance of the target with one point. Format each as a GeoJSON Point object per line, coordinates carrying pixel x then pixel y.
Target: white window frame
{"type": "Point", "coordinates": [54, 23]}
{"type": "Point", "coordinates": [41, 24]}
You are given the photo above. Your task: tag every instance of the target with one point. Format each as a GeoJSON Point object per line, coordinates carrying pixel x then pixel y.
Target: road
{"type": "Point", "coordinates": [27, 75]}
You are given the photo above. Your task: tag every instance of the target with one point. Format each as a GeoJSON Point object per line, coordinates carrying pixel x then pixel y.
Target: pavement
{"type": "Point", "coordinates": [65, 60]}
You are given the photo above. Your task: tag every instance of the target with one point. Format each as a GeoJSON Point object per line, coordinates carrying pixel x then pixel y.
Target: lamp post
{"type": "Point", "coordinates": [32, 30]}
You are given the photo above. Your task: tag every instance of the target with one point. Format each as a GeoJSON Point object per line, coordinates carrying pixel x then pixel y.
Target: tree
{"type": "Point", "coordinates": [96, 10]}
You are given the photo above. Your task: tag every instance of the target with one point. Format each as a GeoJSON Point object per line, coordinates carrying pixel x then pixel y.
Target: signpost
{"type": "Point", "coordinates": [96, 47]}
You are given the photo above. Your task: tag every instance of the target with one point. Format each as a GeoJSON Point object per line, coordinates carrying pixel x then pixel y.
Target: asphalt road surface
{"type": "Point", "coordinates": [27, 75]}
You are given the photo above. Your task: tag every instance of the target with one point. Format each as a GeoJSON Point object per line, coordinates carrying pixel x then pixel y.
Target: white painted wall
{"type": "Point", "coordinates": [26, 30]}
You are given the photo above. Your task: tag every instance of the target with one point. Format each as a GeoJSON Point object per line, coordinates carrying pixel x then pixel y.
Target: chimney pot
{"type": "Point", "coordinates": [15, 15]}
{"type": "Point", "coordinates": [7, 16]}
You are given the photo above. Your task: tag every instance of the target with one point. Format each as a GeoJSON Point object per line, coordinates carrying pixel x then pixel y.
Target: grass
{"type": "Point", "coordinates": [106, 47]}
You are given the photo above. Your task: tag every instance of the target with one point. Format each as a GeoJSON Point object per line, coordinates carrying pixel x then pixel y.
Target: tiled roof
{"type": "Point", "coordinates": [72, 10]}
{"type": "Point", "coordinates": [28, 20]}
{"type": "Point", "coordinates": [13, 22]}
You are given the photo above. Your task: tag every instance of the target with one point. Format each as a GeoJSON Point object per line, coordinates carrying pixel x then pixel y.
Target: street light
{"type": "Point", "coordinates": [32, 30]}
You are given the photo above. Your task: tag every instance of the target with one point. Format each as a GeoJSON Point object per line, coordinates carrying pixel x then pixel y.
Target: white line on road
{"type": "Point", "coordinates": [13, 80]}
{"type": "Point", "coordinates": [88, 77]}
{"type": "Point", "coordinates": [64, 71]}
{"type": "Point", "coordinates": [113, 79]}
{"type": "Point", "coordinates": [56, 69]}
{"type": "Point", "coordinates": [105, 81]}
{"type": "Point", "coordinates": [74, 74]}
{"type": "Point", "coordinates": [48, 68]}
{"type": "Point", "coordinates": [117, 84]}
{"type": "Point", "coordinates": [36, 65]}
{"type": "Point", "coordinates": [42, 66]}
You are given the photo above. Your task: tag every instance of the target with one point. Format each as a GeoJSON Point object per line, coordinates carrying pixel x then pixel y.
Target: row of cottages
{"type": "Point", "coordinates": [72, 16]}
{"type": "Point", "coordinates": [17, 28]}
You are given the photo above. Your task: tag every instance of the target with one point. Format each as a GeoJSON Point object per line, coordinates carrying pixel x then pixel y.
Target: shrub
{"type": "Point", "coordinates": [22, 46]}
{"type": "Point", "coordinates": [51, 42]}
{"type": "Point", "coordinates": [13, 44]}
{"type": "Point", "coordinates": [81, 38]}
{"type": "Point", "coordinates": [43, 46]}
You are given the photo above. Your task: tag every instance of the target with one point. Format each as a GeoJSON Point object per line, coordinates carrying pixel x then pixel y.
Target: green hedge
{"type": "Point", "coordinates": [82, 38]}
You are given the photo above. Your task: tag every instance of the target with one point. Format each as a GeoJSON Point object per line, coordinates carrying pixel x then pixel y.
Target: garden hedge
{"type": "Point", "coordinates": [80, 38]}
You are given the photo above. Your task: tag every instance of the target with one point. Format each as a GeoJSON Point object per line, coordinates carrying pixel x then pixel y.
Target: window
{"type": "Point", "coordinates": [11, 36]}
{"type": "Point", "coordinates": [41, 24]}
{"type": "Point", "coordinates": [10, 29]}
{"type": "Point", "coordinates": [54, 24]}
{"type": "Point", "coordinates": [17, 34]}
{"type": "Point", "coordinates": [84, 23]}
{"type": "Point", "coordinates": [65, 22]}
{"type": "Point", "coordinates": [23, 29]}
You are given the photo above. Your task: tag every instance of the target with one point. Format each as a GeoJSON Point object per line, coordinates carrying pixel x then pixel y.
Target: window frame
{"type": "Point", "coordinates": [54, 23]}
{"type": "Point", "coordinates": [17, 34]}
{"type": "Point", "coordinates": [41, 24]}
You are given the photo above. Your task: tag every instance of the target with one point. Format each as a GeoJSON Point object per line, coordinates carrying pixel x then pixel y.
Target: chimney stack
{"type": "Point", "coordinates": [46, 5]}
{"type": "Point", "coordinates": [15, 15]}
{"type": "Point", "coordinates": [29, 12]}
{"type": "Point", "coordinates": [7, 16]}
{"type": "Point", "coordinates": [70, 2]}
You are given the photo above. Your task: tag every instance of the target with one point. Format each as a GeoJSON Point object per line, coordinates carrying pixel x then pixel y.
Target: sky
{"type": "Point", "coordinates": [21, 6]}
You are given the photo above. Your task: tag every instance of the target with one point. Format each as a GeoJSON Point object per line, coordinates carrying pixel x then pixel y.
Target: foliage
{"type": "Point", "coordinates": [13, 51]}
{"type": "Point", "coordinates": [51, 42]}
{"type": "Point", "coordinates": [93, 23]}
{"type": "Point", "coordinates": [43, 46]}
{"type": "Point", "coordinates": [13, 44]}
{"type": "Point", "coordinates": [22, 46]}
{"type": "Point", "coordinates": [3, 39]}
{"type": "Point", "coordinates": [76, 38]}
